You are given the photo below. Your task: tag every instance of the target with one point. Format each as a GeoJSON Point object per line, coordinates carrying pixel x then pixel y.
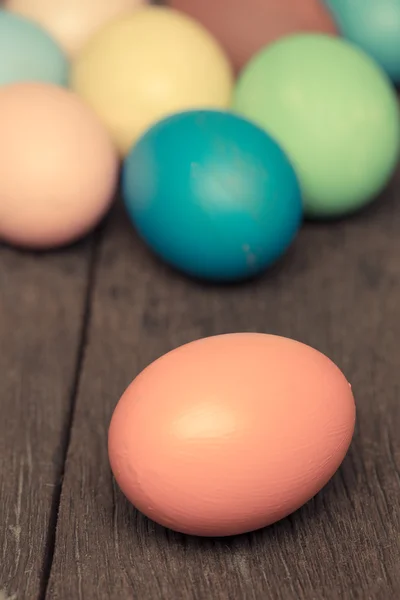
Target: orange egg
{"type": "Point", "coordinates": [230, 433]}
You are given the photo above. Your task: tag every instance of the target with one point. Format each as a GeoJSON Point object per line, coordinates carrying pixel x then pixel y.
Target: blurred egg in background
{"type": "Point", "coordinates": [58, 167]}
{"type": "Point", "coordinates": [29, 53]}
{"type": "Point", "coordinates": [243, 27]}
{"type": "Point", "coordinates": [71, 22]}
{"type": "Point", "coordinates": [212, 194]}
{"type": "Point", "coordinates": [374, 25]}
{"type": "Point", "coordinates": [334, 112]}
{"type": "Point", "coordinates": [147, 65]}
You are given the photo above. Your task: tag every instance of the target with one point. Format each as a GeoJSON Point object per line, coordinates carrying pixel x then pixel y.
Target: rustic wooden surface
{"type": "Point", "coordinates": [76, 326]}
{"type": "Point", "coordinates": [42, 310]}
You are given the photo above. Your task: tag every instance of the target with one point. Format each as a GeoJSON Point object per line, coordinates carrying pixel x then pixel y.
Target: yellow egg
{"type": "Point", "coordinates": [71, 22]}
{"type": "Point", "coordinates": [142, 67]}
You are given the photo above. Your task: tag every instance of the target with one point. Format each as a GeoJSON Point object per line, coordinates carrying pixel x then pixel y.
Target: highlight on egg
{"type": "Point", "coordinates": [230, 433]}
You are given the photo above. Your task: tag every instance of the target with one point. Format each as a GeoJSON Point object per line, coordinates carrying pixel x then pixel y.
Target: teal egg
{"type": "Point", "coordinates": [212, 194]}
{"type": "Point", "coordinates": [28, 53]}
{"type": "Point", "coordinates": [374, 25]}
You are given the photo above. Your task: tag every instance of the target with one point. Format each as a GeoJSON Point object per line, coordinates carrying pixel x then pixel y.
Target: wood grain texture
{"type": "Point", "coordinates": [339, 291]}
{"type": "Point", "coordinates": [42, 299]}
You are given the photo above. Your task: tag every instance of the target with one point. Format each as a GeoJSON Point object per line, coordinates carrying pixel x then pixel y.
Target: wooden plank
{"type": "Point", "coordinates": [42, 302]}
{"type": "Point", "coordinates": [338, 290]}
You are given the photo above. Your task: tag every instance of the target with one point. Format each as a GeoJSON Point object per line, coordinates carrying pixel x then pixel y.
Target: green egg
{"type": "Point", "coordinates": [335, 113]}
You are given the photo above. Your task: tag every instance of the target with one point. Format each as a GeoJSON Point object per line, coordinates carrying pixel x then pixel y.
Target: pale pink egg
{"type": "Point", "coordinates": [58, 167]}
{"type": "Point", "coordinates": [72, 22]}
{"type": "Point", "coordinates": [230, 433]}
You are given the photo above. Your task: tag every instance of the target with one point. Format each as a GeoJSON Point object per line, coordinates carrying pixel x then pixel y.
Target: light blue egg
{"type": "Point", "coordinates": [374, 25]}
{"type": "Point", "coordinates": [28, 53]}
{"type": "Point", "coordinates": [212, 194]}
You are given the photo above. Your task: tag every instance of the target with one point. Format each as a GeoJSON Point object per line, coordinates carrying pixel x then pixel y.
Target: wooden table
{"type": "Point", "coordinates": [77, 325]}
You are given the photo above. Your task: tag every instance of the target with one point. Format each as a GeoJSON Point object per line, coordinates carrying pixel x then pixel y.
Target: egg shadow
{"type": "Point", "coordinates": [269, 274]}
{"type": "Point", "coordinates": [304, 523]}
{"type": "Point", "coordinates": [291, 261]}
{"type": "Point", "coordinates": [385, 202]}
{"type": "Point", "coordinates": [92, 237]}
{"type": "Point", "coordinates": [168, 271]}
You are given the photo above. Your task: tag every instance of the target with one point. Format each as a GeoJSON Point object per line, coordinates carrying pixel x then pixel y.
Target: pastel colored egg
{"type": "Point", "coordinates": [212, 194]}
{"type": "Point", "coordinates": [144, 66]}
{"type": "Point", "coordinates": [334, 112]}
{"type": "Point", "coordinates": [58, 167]}
{"type": "Point", "coordinates": [72, 22]}
{"type": "Point", "coordinates": [374, 26]}
{"type": "Point", "coordinates": [231, 433]}
{"type": "Point", "coordinates": [29, 53]}
{"type": "Point", "coordinates": [244, 27]}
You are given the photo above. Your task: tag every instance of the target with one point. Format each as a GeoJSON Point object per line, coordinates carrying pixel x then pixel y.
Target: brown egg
{"type": "Point", "coordinates": [245, 26]}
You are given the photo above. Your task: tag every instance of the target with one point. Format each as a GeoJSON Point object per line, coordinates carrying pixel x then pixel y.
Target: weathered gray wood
{"type": "Point", "coordinates": [42, 300]}
{"type": "Point", "coordinates": [338, 290]}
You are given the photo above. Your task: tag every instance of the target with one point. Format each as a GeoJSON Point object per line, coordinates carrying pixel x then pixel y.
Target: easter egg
{"type": "Point", "coordinates": [244, 27]}
{"type": "Point", "coordinates": [58, 167]}
{"type": "Point", "coordinates": [144, 66]}
{"type": "Point", "coordinates": [334, 112]}
{"type": "Point", "coordinates": [374, 26]}
{"type": "Point", "coordinates": [71, 22]}
{"type": "Point", "coordinates": [212, 194]}
{"type": "Point", "coordinates": [231, 433]}
{"type": "Point", "coordinates": [29, 53]}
